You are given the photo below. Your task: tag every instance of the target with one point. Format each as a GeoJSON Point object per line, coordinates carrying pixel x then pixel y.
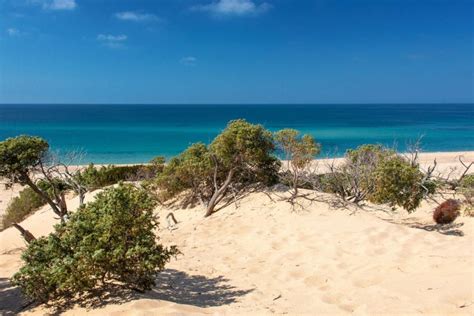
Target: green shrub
{"type": "Point", "coordinates": [380, 175]}
{"type": "Point", "coordinates": [190, 170]}
{"type": "Point", "coordinates": [240, 156]}
{"type": "Point", "coordinates": [466, 188]}
{"type": "Point", "coordinates": [108, 241]}
{"type": "Point", "coordinates": [354, 180]}
{"type": "Point", "coordinates": [397, 182]}
{"type": "Point", "coordinates": [21, 206]}
{"type": "Point", "coordinates": [95, 178]}
{"type": "Point", "coordinates": [299, 152]}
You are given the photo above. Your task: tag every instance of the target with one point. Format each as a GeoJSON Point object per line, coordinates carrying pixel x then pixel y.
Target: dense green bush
{"type": "Point", "coordinates": [397, 182]}
{"type": "Point", "coordinates": [190, 170]}
{"type": "Point", "coordinates": [108, 241]}
{"type": "Point", "coordinates": [95, 178]}
{"type": "Point", "coordinates": [21, 206]}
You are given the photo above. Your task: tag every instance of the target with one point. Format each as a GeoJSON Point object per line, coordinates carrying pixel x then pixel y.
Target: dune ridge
{"type": "Point", "coordinates": [259, 256]}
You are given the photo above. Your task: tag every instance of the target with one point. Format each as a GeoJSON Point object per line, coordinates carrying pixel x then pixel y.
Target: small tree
{"type": "Point", "coordinates": [108, 241]}
{"type": "Point", "coordinates": [23, 160]}
{"type": "Point", "coordinates": [299, 152]}
{"type": "Point", "coordinates": [240, 156]}
{"type": "Point", "coordinates": [243, 153]}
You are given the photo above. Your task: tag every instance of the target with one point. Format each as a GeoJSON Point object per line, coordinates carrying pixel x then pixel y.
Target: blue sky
{"type": "Point", "coordinates": [236, 51]}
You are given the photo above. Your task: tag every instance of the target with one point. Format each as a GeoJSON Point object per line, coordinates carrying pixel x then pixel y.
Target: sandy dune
{"type": "Point", "coordinates": [261, 257]}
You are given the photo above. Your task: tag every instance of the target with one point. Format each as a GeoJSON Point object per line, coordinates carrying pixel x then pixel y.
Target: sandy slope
{"type": "Point", "coordinates": [261, 257]}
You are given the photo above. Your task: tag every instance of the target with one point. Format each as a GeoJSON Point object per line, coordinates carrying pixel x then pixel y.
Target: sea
{"type": "Point", "coordinates": [135, 133]}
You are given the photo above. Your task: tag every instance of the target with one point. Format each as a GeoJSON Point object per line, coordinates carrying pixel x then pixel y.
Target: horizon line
{"type": "Point", "coordinates": [246, 103]}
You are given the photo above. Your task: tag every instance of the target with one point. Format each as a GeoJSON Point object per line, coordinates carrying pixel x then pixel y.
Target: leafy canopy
{"type": "Point", "coordinates": [19, 155]}
{"type": "Point", "coordinates": [299, 150]}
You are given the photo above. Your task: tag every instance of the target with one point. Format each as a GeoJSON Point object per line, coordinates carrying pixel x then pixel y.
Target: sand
{"type": "Point", "coordinates": [260, 256]}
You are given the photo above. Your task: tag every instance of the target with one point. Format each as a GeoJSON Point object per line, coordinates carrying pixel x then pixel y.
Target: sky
{"type": "Point", "coordinates": [236, 51]}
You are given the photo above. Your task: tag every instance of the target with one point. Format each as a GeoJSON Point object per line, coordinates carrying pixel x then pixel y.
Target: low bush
{"type": "Point", "coordinates": [397, 182]}
{"type": "Point", "coordinates": [108, 241]}
{"type": "Point", "coordinates": [377, 174]}
{"type": "Point", "coordinates": [95, 178]}
{"type": "Point", "coordinates": [466, 188]}
{"type": "Point", "coordinates": [21, 206]}
{"type": "Point", "coordinates": [447, 212]}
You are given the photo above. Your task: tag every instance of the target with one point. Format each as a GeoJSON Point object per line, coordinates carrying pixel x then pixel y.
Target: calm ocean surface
{"type": "Point", "coordinates": [136, 133]}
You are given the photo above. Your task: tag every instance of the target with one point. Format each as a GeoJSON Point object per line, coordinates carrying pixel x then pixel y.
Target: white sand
{"type": "Point", "coordinates": [260, 257]}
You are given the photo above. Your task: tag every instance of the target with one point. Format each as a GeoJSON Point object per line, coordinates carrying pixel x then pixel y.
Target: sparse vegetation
{"type": "Point", "coordinates": [21, 206]}
{"type": "Point", "coordinates": [377, 174]}
{"type": "Point", "coordinates": [110, 240]}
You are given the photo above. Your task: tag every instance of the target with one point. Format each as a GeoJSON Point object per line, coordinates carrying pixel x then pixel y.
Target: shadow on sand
{"type": "Point", "coordinates": [448, 229]}
{"type": "Point", "coordinates": [172, 286]}
{"type": "Point", "coordinates": [11, 300]}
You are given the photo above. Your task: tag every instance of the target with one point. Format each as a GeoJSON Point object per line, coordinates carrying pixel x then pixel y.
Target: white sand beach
{"type": "Point", "coordinates": [259, 257]}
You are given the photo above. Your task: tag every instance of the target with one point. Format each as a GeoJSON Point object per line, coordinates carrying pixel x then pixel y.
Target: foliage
{"type": "Point", "coordinates": [397, 182]}
{"type": "Point", "coordinates": [447, 212]}
{"type": "Point", "coordinates": [110, 240]}
{"type": "Point", "coordinates": [240, 156]}
{"type": "Point", "coordinates": [21, 206]}
{"type": "Point", "coordinates": [19, 155]}
{"type": "Point", "coordinates": [190, 170]}
{"type": "Point", "coordinates": [247, 149]}
{"type": "Point", "coordinates": [354, 179]}
{"type": "Point", "coordinates": [466, 189]}
{"type": "Point", "coordinates": [95, 178]}
{"type": "Point", "coordinates": [380, 175]}
{"type": "Point", "coordinates": [299, 151]}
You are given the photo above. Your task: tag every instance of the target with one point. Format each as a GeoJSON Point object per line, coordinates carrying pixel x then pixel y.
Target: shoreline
{"type": "Point", "coordinates": [423, 157]}
{"type": "Point", "coordinates": [447, 163]}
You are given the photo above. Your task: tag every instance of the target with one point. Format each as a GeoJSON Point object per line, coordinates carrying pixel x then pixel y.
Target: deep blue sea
{"type": "Point", "coordinates": [136, 133]}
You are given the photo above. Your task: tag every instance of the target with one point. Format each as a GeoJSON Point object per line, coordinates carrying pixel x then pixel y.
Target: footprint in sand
{"type": "Point", "coordinates": [317, 281]}
{"type": "Point", "coordinates": [338, 299]}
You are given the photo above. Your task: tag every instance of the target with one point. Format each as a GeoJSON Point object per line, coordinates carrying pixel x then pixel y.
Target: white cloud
{"type": "Point", "coordinates": [188, 61]}
{"type": "Point", "coordinates": [112, 41]}
{"type": "Point", "coordinates": [233, 7]}
{"type": "Point", "coordinates": [13, 32]}
{"type": "Point", "coordinates": [62, 5]}
{"type": "Point", "coordinates": [111, 38]}
{"type": "Point", "coordinates": [136, 16]}
{"type": "Point", "coordinates": [54, 5]}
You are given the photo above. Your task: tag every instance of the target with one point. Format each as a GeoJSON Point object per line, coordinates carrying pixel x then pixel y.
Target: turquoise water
{"type": "Point", "coordinates": [136, 133]}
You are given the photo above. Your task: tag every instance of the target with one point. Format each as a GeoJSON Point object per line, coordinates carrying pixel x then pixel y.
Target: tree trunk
{"type": "Point", "coordinates": [43, 195]}
{"type": "Point", "coordinates": [217, 194]}
{"type": "Point", "coordinates": [25, 233]}
{"type": "Point", "coordinates": [81, 198]}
